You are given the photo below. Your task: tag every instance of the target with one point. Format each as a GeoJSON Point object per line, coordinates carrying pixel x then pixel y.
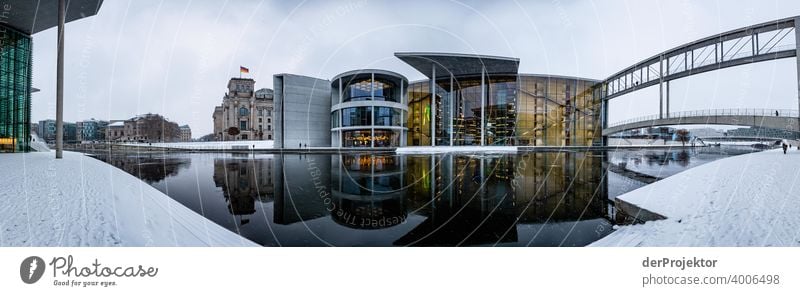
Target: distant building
{"type": "Point", "coordinates": [146, 128]}
{"type": "Point", "coordinates": [186, 133]}
{"type": "Point", "coordinates": [115, 131]}
{"type": "Point", "coordinates": [35, 128]}
{"type": "Point", "coordinates": [47, 130]}
{"type": "Point", "coordinates": [245, 114]}
{"type": "Point", "coordinates": [91, 130]}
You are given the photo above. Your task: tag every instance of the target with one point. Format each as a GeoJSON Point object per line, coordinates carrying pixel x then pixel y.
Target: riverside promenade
{"type": "Point", "coordinates": [745, 200]}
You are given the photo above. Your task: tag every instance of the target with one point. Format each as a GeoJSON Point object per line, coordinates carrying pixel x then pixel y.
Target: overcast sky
{"type": "Point", "coordinates": [175, 57]}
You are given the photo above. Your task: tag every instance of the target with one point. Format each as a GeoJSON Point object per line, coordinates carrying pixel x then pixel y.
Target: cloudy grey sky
{"type": "Point", "coordinates": [175, 57]}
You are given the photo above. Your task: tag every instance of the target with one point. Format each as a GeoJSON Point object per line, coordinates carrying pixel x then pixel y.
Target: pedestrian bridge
{"type": "Point", "coordinates": [764, 118]}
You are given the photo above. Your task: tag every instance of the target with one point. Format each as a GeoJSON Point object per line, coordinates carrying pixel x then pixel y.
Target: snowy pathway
{"type": "Point", "coordinates": [745, 200]}
{"type": "Point", "coordinates": [81, 201]}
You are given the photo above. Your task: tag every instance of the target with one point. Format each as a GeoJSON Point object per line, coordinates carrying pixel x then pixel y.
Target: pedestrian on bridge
{"type": "Point", "coordinates": [776, 113]}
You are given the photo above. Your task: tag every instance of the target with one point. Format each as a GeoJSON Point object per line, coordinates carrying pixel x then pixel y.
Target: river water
{"type": "Point", "coordinates": [361, 199]}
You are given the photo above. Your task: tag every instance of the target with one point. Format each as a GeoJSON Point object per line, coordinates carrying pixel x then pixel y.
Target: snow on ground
{"type": "Point", "coordinates": [746, 200]}
{"type": "Point", "coordinates": [81, 201]}
{"type": "Point", "coordinates": [445, 149]}
{"type": "Point", "coordinates": [265, 144]}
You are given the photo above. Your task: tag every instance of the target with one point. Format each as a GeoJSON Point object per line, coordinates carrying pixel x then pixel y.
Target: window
{"type": "Point", "coordinates": [269, 127]}
{"type": "Point", "coordinates": [269, 137]}
{"type": "Point", "coordinates": [358, 116]}
{"type": "Point", "coordinates": [269, 112]}
{"type": "Point", "coordinates": [259, 127]}
{"type": "Point", "coordinates": [243, 125]}
{"type": "Point", "coordinates": [259, 120]}
{"type": "Point", "coordinates": [387, 116]}
{"type": "Point", "coordinates": [260, 112]}
{"type": "Point", "coordinates": [269, 120]}
{"type": "Point", "coordinates": [243, 111]}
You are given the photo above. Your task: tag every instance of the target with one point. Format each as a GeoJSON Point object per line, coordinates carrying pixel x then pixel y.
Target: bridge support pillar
{"type": "Point", "coordinates": [666, 95]}
{"type": "Point", "coordinates": [797, 60]}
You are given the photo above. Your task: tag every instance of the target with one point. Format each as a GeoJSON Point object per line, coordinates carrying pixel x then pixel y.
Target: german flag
{"type": "Point", "coordinates": [243, 70]}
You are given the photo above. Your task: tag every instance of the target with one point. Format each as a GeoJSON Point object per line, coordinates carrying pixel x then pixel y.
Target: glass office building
{"type": "Point", "coordinates": [368, 109]}
{"type": "Point", "coordinates": [483, 101]}
{"type": "Point", "coordinates": [15, 90]}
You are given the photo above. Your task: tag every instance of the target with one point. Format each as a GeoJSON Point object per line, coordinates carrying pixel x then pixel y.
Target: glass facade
{"type": "Point", "coordinates": [521, 110]}
{"type": "Point", "coordinates": [361, 90]}
{"type": "Point", "coordinates": [367, 109]}
{"type": "Point", "coordinates": [357, 116]}
{"type": "Point", "coordinates": [15, 90]}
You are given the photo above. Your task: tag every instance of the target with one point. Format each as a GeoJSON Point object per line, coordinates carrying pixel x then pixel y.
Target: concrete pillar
{"type": "Point", "coordinates": [372, 110]}
{"type": "Point", "coordinates": [661, 88]}
{"type": "Point", "coordinates": [797, 59]}
{"type": "Point", "coordinates": [667, 101]}
{"type": "Point", "coordinates": [60, 81]}
{"type": "Point", "coordinates": [483, 106]}
{"type": "Point", "coordinates": [433, 105]}
{"type": "Point", "coordinates": [403, 133]}
{"type": "Point", "coordinates": [452, 109]}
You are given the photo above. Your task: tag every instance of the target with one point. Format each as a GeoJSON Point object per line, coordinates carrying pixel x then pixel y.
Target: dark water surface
{"type": "Point", "coordinates": [527, 199]}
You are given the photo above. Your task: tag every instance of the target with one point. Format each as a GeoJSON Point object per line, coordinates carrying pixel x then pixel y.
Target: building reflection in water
{"type": "Point", "coordinates": [244, 181]}
{"type": "Point", "coordinates": [368, 191]}
{"type": "Point", "coordinates": [146, 167]}
{"type": "Point", "coordinates": [459, 199]}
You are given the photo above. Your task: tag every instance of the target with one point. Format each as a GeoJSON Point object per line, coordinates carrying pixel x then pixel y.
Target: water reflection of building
{"type": "Point", "coordinates": [148, 168]}
{"type": "Point", "coordinates": [481, 200]}
{"type": "Point", "coordinates": [244, 181]}
{"type": "Point", "coordinates": [367, 190]}
{"type": "Point", "coordinates": [303, 182]}
{"type": "Point", "coordinates": [455, 199]}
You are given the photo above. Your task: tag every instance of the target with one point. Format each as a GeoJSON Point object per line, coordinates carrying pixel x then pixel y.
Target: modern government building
{"type": "Point", "coordinates": [18, 20]}
{"type": "Point", "coordinates": [466, 100]}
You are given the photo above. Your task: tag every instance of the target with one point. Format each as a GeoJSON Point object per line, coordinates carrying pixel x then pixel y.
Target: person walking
{"type": "Point", "coordinates": [785, 147]}
{"type": "Point", "coordinates": [776, 113]}
{"type": "Point", "coordinates": [299, 145]}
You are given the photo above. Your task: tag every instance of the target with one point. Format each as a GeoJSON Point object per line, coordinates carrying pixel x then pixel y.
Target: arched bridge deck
{"type": "Point", "coordinates": [764, 118]}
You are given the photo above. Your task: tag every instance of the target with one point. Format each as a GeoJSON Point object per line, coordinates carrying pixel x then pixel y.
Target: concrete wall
{"type": "Point", "coordinates": [302, 111]}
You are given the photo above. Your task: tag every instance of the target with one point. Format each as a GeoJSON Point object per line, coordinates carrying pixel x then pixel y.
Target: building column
{"type": "Point", "coordinates": [452, 109]}
{"type": "Point", "coordinates": [483, 106]}
{"type": "Point", "coordinates": [341, 93]}
{"type": "Point", "coordinates": [372, 110]}
{"type": "Point", "coordinates": [433, 105]}
{"type": "Point", "coordinates": [60, 81]}
{"type": "Point", "coordinates": [403, 133]}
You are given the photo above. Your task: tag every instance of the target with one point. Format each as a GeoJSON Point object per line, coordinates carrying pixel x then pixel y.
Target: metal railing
{"type": "Point", "coordinates": [712, 112]}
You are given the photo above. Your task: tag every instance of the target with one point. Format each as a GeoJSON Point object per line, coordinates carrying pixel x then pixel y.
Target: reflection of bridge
{"type": "Point", "coordinates": [752, 44]}
{"type": "Point", "coordinates": [760, 118]}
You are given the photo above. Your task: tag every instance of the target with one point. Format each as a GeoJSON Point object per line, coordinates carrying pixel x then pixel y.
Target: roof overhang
{"type": "Point", "coordinates": [458, 65]}
{"type": "Point", "coordinates": [33, 16]}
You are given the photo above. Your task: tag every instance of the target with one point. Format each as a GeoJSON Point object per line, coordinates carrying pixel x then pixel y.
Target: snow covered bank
{"type": "Point", "coordinates": [745, 200]}
{"type": "Point", "coordinates": [81, 201]}
{"type": "Point", "coordinates": [446, 149]}
{"type": "Point", "coordinates": [226, 145]}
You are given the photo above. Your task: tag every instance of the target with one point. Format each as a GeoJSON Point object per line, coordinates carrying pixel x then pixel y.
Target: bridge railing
{"type": "Point", "coordinates": [712, 112]}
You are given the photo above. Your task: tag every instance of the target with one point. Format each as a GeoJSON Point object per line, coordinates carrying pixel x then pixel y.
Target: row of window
{"type": "Point", "coordinates": [362, 116]}
{"type": "Point", "coordinates": [243, 126]}
{"type": "Point", "coordinates": [243, 111]}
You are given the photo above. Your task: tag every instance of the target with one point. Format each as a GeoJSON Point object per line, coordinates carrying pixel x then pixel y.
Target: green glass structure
{"type": "Point", "coordinates": [15, 90]}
